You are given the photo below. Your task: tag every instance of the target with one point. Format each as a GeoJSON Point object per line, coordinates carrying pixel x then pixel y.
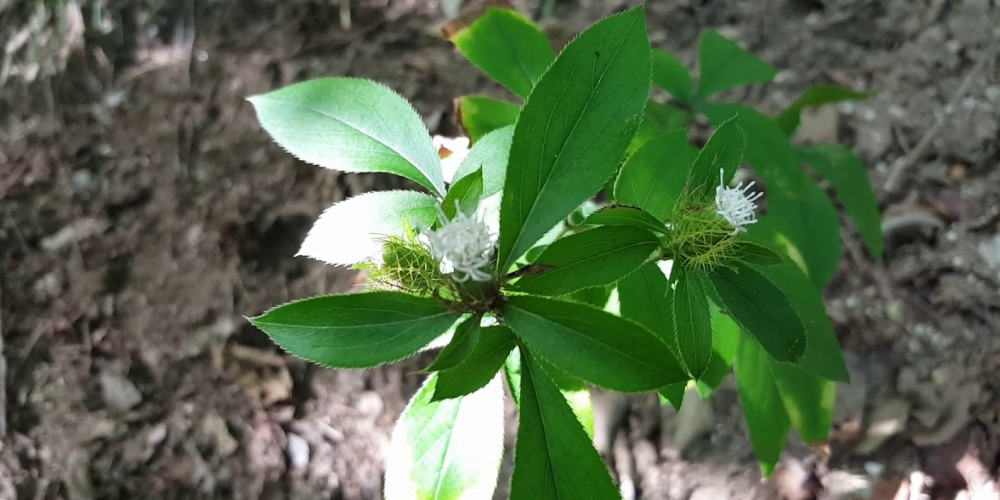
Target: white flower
{"type": "Point", "coordinates": [464, 244]}
{"type": "Point", "coordinates": [736, 205]}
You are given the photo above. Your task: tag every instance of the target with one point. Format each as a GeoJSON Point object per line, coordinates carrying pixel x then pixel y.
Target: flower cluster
{"type": "Point", "coordinates": [736, 205]}
{"type": "Point", "coordinates": [464, 243]}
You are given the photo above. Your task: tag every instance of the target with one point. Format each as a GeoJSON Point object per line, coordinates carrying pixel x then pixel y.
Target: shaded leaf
{"type": "Point", "coordinates": [478, 115]}
{"type": "Point", "coordinates": [356, 331]}
{"type": "Point", "coordinates": [849, 179]}
{"type": "Point", "coordinates": [464, 194]}
{"type": "Point", "coordinates": [762, 309]}
{"type": "Point", "coordinates": [593, 345]}
{"type": "Point", "coordinates": [692, 322]}
{"type": "Point", "coordinates": [763, 410]}
{"type": "Point", "coordinates": [725, 337]}
{"type": "Point", "coordinates": [626, 216]}
{"type": "Point", "coordinates": [816, 96]}
{"type": "Point", "coordinates": [508, 47]}
{"type": "Point", "coordinates": [808, 400]}
{"type": "Point", "coordinates": [595, 257]}
{"type": "Point", "coordinates": [554, 458]}
{"type": "Point", "coordinates": [755, 254]}
{"type": "Point", "coordinates": [654, 177]}
{"type": "Point", "coordinates": [670, 74]}
{"type": "Point", "coordinates": [724, 151]}
{"type": "Point", "coordinates": [352, 231]}
{"type": "Point", "coordinates": [723, 65]}
{"type": "Point", "coordinates": [341, 123]}
{"type": "Point", "coordinates": [447, 449]}
{"type": "Point", "coordinates": [658, 119]}
{"type": "Point", "coordinates": [463, 341]}
{"type": "Point", "coordinates": [597, 88]}
{"type": "Point", "coordinates": [479, 367]}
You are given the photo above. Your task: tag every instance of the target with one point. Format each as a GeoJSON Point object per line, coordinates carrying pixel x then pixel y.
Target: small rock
{"type": "Point", "coordinates": [298, 451]}
{"type": "Point", "coordinates": [989, 250]}
{"type": "Point", "coordinates": [369, 403]}
{"type": "Point", "coordinates": [119, 393]}
{"type": "Point", "coordinates": [78, 230]}
{"type": "Point", "coordinates": [709, 493]}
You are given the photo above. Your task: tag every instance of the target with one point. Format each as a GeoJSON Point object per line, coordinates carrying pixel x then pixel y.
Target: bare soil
{"type": "Point", "coordinates": [143, 214]}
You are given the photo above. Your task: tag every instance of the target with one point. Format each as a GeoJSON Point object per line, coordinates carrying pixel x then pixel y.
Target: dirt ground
{"type": "Point", "coordinates": [143, 214]}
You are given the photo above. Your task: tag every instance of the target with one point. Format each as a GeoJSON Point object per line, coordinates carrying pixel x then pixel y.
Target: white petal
{"type": "Point", "coordinates": [350, 231]}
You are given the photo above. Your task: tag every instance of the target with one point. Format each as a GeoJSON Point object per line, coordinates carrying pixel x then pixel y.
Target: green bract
{"type": "Point", "coordinates": [512, 266]}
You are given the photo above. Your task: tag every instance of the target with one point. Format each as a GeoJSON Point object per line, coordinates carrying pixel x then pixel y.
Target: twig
{"type": "Point", "coordinates": [893, 182]}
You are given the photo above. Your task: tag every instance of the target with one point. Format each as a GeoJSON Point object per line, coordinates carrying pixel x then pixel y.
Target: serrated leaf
{"type": "Point", "coordinates": [763, 409]}
{"type": "Point", "coordinates": [489, 155]}
{"type": "Point", "coordinates": [342, 124]}
{"type": "Point", "coordinates": [554, 458]}
{"type": "Point", "coordinates": [442, 450]}
{"type": "Point", "coordinates": [597, 296]}
{"type": "Point", "coordinates": [658, 119]}
{"type": "Point", "coordinates": [478, 115]}
{"type": "Point", "coordinates": [576, 393]}
{"type": "Point", "coordinates": [692, 322]}
{"type": "Point", "coordinates": [723, 65]}
{"type": "Point", "coordinates": [755, 254]}
{"type": "Point", "coordinates": [626, 216]}
{"type": "Point", "coordinates": [356, 331]}
{"type": "Point", "coordinates": [352, 231]}
{"type": "Point", "coordinates": [823, 356]}
{"type": "Point", "coordinates": [573, 130]}
{"type": "Point", "coordinates": [816, 96]}
{"type": "Point", "coordinates": [723, 152]}
{"type": "Point", "coordinates": [464, 340]}
{"type": "Point", "coordinates": [595, 257]}
{"type": "Point", "coordinates": [654, 177]}
{"type": "Point", "coordinates": [479, 367]}
{"type": "Point", "coordinates": [808, 400]}
{"type": "Point", "coordinates": [463, 195]}
{"type": "Point", "coordinates": [762, 309]}
{"type": "Point", "coordinates": [593, 345]}
{"type": "Point", "coordinates": [849, 179]}
{"type": "Point", "coordinates": [508, 47]}
{"type": "Point", "coordinates": [725, 338]}
{"type": "Point", "coordinates": [797, 207]}
{"type": "Point", "coordinates": [670, 74]}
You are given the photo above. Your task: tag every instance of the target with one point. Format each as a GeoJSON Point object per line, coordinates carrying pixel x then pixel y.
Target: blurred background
{"type": "Point", "coordinates": [144, 213]}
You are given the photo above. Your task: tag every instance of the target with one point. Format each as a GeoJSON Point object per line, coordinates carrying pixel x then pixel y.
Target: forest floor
{"type": "Point", "coordinates": [144, 213]}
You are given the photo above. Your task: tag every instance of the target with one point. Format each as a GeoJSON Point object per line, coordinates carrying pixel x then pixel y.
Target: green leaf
{"type": "Point", "coordinates": [723, 152]}
{"type": "Point", "coordinates": [356, 331]}
{"type": "Point", "coordinates": [653, 178]}
{"type": "Point", "coordinates": [645, 297]}
{"type": "Point", "coordinates": [692, 322]}
{"type": "Point", "coordinates": [673, 394]}
{"type": "Point", "coordinates": [554, 458]}
{"type": "Point", "coordinates": [670, 74]}
{"type": "Point", "coordinates": [512, 372]}
{"type": "Point", "coordinates": [723, 65]}
{"type": "Point", "coordinates": [797, 207]}
{"type": "Point", "coordinates": [725, 338]}
{"type": "Point", "coordinates": [595, 257]}
{"type": "Point", "coordinates": [464, 340]}
{"type": "Point", "coordinates": [594, 296]}
{"type": "Point", "coordinates": [763, 409]}
{"type": "Point", "coordinates": [489, 155]}
{"type": "Point", "coordinates": [479, 367]}
{"type": "Point", "coordinates": [593, 345]}
{"type": "Point", "coordinates": [808, 400]}
{"type": "Point", "coordinates": [576, 393]}
{"type": "Point", "coordinates": [658, 119]}
{"type": "Point", "coordinates": [755, 254]}
{"type": "Point", "coordinates": [573, 130]}
{"type": "Point", "coordinates": [478, 115]}
{"type": "Point", "coordinates": [849, 179]}
{"type": "Point", "coordinates": [463, 195]}
{"type": "Point", "coordinates": [343, 124]}
{"type": "Point", "coordinates": [508, 47]}
{"type": "Point", "coordinates": [822, 356]}
{"type": "Point", "coordinates": [762, 309]}
{"type": "Point", "coordinates": [816, 96]}
{"type": "Point", "coordinates": [626, 216]}
{"type": "Point", "coordinates": [447, 449]}
{"type": "Point", "coordinates": [352, 231]}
